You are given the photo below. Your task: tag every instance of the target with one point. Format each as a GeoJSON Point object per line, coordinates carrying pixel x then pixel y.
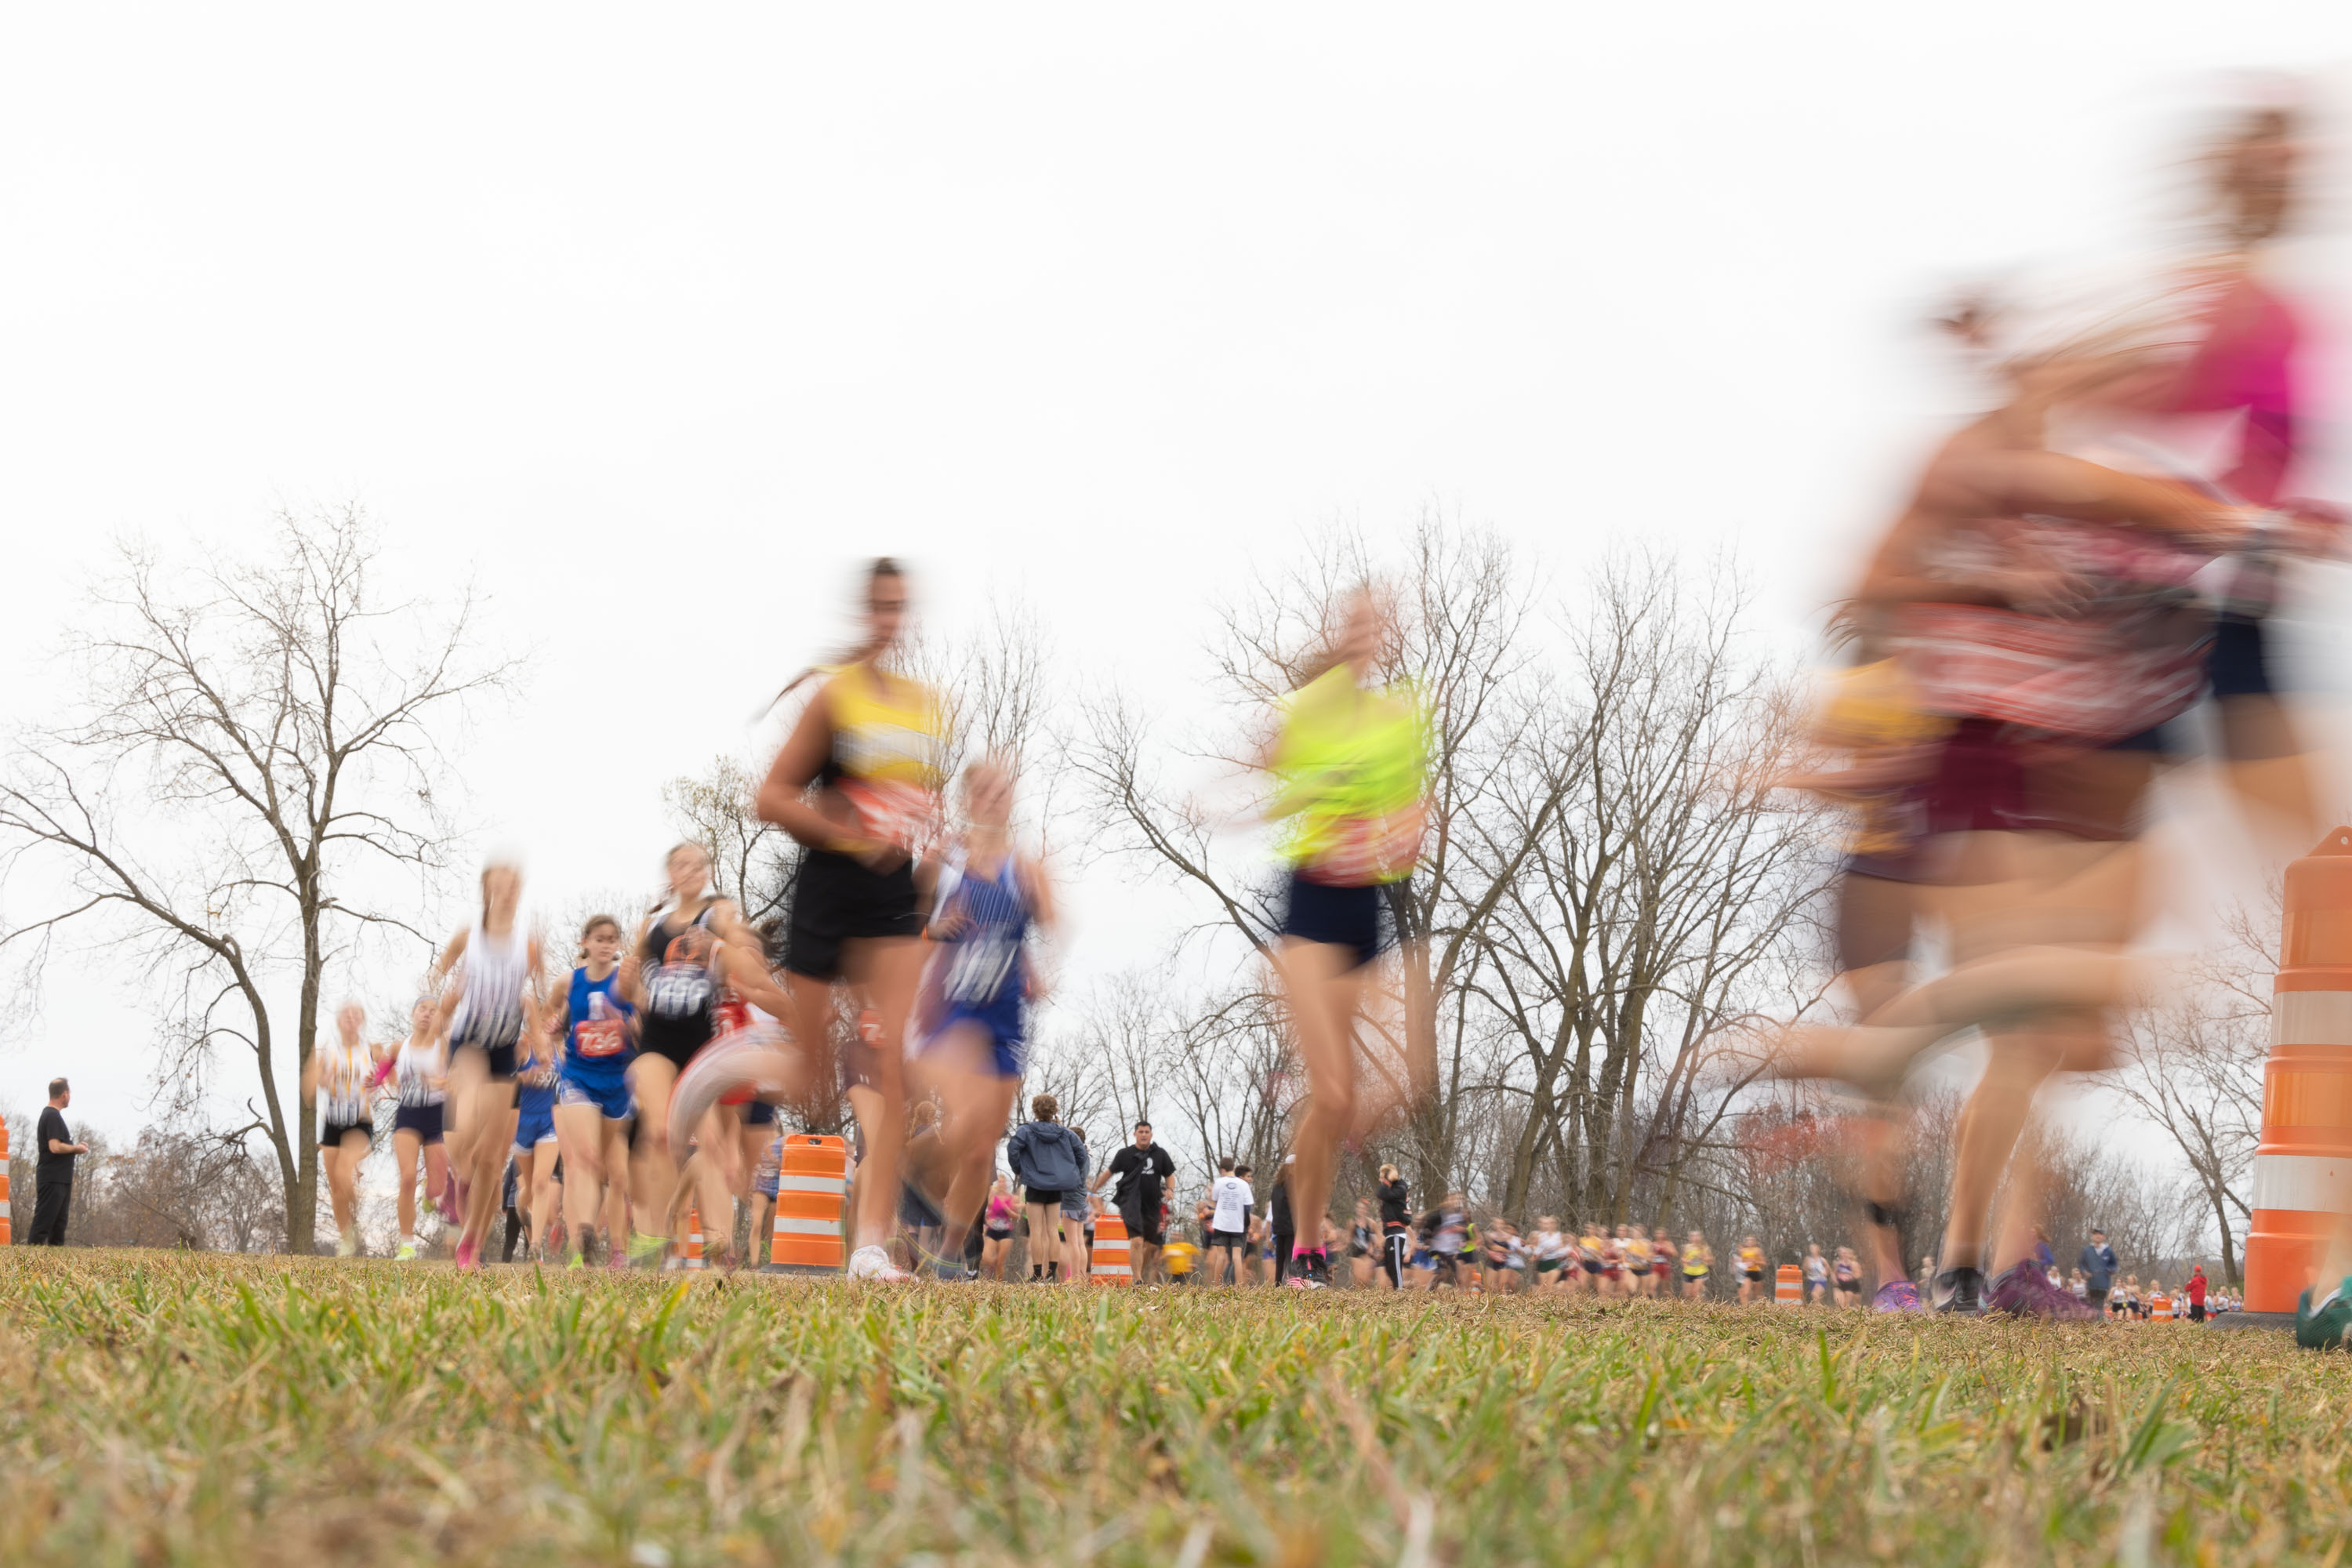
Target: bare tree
{"type": "Point", "coordinates": [2192, 1066]}
{"type": "Point", "coordinates": [249, 781]}
{"type": "Point", "coordinates": [1656, 897]}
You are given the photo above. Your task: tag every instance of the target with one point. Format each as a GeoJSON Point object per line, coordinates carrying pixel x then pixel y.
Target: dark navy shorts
{"type": "Point", "coordinates": [1352, 918]}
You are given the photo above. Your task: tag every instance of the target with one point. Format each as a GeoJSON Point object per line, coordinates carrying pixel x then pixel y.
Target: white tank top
{"type": "Point", "coordinates": [419, 1072]}
{"type": "Point", "coordinates": [490, 1011]}
{"type": "Point", "coordinates": [343, 1074]}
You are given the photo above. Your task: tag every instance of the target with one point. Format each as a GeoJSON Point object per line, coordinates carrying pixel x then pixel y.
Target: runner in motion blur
{"type": "Point", "coordinates": [857, 782]}
{"type": "Point", "coordinates": [1349, 765]}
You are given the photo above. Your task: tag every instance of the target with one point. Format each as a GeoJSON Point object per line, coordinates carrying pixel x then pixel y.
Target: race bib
{"type": "Point", "coordinates": [601, 1037]}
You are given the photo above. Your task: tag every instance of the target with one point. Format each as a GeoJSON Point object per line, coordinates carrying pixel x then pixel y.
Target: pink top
{"type": "Point", "coordinates": [2248, 361]}
{"type": "Point", "coordinates": [1000, 1210]}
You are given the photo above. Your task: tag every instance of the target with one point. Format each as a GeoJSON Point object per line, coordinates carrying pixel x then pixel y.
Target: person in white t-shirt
{"type": "Point", "coordinates": [1229, 1225]}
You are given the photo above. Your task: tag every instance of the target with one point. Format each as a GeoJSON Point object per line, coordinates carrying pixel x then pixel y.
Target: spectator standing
{"type": "Point", "coordinates": [53, 1175]}
{"type": "Point", "coordinates": [2195, 1292]}
{"type": "Point", "coordinates": [1050, 1164]}
{"type": "Point", "coordinates": [2097, 1262]}
{"type": "Point", "coordinates": [1140, 1168]}
{"type": "Point", "coordinates": [1229, 1211]}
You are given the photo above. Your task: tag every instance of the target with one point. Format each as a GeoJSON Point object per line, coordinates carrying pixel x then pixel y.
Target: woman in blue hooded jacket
{"type": "Point", "coordinates": [1048, 1162]}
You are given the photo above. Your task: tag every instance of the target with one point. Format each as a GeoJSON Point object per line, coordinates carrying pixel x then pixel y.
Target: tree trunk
{"type": "Point", "coordinates": [302, 1201]}
{"type": "Point", "coordinates": [2229, 1246]}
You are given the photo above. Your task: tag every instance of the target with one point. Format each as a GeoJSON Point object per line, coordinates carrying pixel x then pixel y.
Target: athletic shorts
{"type": "Point", "coordinates": [759, 1113]}
{"type": "Point", "coordinates": [1007, 1045]}
{"type": "Point", "coordinates": [914, 1210]}
{"type": "Point", "coordinates": [994, 1234]}
{"type": "Point", "coordinates": [1547, 1264]}
{"type": "Point", "coordinates": [330, 1135]}
{"type": "Point", "coordinates": [534, 1128]}
{"type": "Point", "coordinates": [425, 1120]}
{"type": "Point", "coordinates": [837, 899]}
{"type": "Point", "coordinates": [1593, 1268]}
{"type": "Point", "coordinates": [501, 1059]}
{"type": "Point", "coordinates": [1849, 1287]}
{"type": "Point", "coordinates": [2238, 663]}
{"type": "Point", "coordinates": [1231, 1240]}
{"type": "Point", "coordinates": [1143, 1228]}
{"type": "Point", "coordinates": [1351, 918]}
{"type": "Point", "coordinates": [1075, 1207]}
{"type": "Point", "coordinates": [1755, 1276]}
{"type": "Point", "coordinates": [1047, 1197]}
{"type": "Point", "coordinates": [613, 1100]}
{"type": "Point", "coordinates": [1693, 1276]}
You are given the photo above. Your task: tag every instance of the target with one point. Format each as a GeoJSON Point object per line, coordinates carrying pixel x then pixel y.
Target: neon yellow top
{"type": "Point", "coordinates": [889, 750]}
{"type": "Point", "coordinates": [1354, 770]}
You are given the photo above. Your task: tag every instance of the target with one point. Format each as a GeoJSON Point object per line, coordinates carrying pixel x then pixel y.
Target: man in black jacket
{"type": "Point", "coordinates": [53, 1175]}
{"type": "Point", "coordinates": [1140, 1168]}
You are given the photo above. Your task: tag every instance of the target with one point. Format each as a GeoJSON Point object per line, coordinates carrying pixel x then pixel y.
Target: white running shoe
{"type": "Point", "coordinates": [873, 1264]}
{"type": "Point", "coordinates": [347, 1244]}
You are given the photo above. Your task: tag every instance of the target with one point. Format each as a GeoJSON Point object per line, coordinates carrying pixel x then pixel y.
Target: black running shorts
{"type": "Point", "coordinates": [836, 899]}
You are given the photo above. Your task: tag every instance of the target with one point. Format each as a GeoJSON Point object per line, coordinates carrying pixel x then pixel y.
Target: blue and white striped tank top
{"type": "Point", "coordinates": [987, 968]}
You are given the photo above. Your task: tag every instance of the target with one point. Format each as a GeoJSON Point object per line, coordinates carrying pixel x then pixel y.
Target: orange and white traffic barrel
{"type": "Point", "coordinates": [810, 1185]}
{"type": "Point", "coordinates": [693, 1238]}
{"type": "Point", "coordinates": [2303, 1166]}
{"type": "Point", "coordinates": [1788, 1287]}
{"type": "Point", "coordinates": [1110, 1252]}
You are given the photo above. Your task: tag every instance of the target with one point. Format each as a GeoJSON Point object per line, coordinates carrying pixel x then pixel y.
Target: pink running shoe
{"type": "Point", "coordinates": [2027, 1292]}
{"type": "Point", "coordinates": [470, 1255]}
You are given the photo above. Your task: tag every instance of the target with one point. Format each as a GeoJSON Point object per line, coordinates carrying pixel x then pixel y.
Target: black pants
{"type": "Point", "coordinates": [1283, 1240]}
{"type": "Point", "coordinates": [2096, 1296]}
{"type": "Point", "coordinates": [1395, 1250]}
{"type": "Point", "coordinates": [51, 1201]}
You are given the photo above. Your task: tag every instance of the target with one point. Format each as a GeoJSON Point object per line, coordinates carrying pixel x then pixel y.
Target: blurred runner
{"type": "Point", "coordinates": [594, 1108]}
{"type": "Point", "coordinates": [420, 1077]}
{"type": "Point", "coordinates": [341, 1072]}
{"type": "Point", "coordinates": [977, 991]}
{"type": "Point", "coordinates": [857, 782]}
{"type": "Point", "coordinates": [1349, 765]}
{"type": "Point", "coordinates": [494, 964]}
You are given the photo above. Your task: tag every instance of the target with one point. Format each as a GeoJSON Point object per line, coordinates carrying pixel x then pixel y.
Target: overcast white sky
{"type": "Point", "coordinates": [651, 320]}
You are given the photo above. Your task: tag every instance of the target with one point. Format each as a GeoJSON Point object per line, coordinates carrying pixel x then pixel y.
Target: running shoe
{"type": "Point", "coordinates": [347, 1244]}
{"type": "Point", "coordinates": [452, 1204]}
{"type": "Point", "coordinates": [407, 1253]}
{"type": "Point", "coordinates": [574, 1261]}
{"type": "Point", "coordinates": [2026, 1291]}
{"type": "Point", "coordinates": [2321, 1325]}
{"type": "Point", "coordinates": [645, 1251]}
{"type": "Point", "coordinates": [1897, 1296]}
{"type": "Point", "coordinates": [469, 1254]}
{"type": "Point", "coordinates": [1301, 1274]}
{"type": "Point", "coordinates": [873, 1265]}
{"type": "Point", "coordinates": [1957, 1290]}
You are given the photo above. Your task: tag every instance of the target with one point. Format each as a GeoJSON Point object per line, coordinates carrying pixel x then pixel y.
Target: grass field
{"type": "Point", "coordinates": [161, 1408]}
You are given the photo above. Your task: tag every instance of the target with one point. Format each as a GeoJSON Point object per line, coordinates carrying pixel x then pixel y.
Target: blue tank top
{"type": "Point", "coordinates": [597, 1051]}
{"type": "Point", "coordinates": [535, 1083]}
{"type": "Point", "coordinates": [987, 969]}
